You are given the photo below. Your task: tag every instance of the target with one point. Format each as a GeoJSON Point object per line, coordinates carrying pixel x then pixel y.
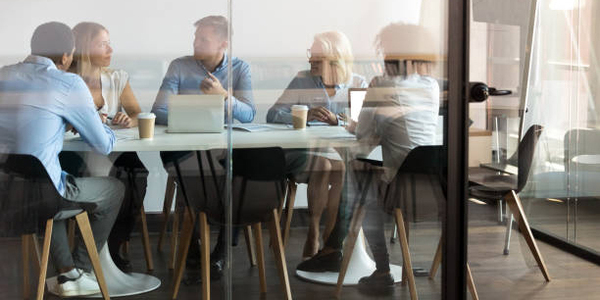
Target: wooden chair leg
{"type": "Point", "coordinates": [71, 233]}
{"type": "Point", "coordinates": [184, 245]}
{"type": "Point", "coordinates": [289, 210]}
{"type": "Point", "coordinates": [471, 284]}
{"type": "Point", "coordinates": [354, 229]}
{"type": "Point", "coordinates": [167, 204]}
{"type": "Point", "coordinates": [174, 239]}
{"type": "Point", "coordinates": [25, 247]}
{"type": "Point", "coordinates": [85, 229]}
{"type": "Point", "coordinates": [279, 253]}
{"type": "Point", "coordinates": [260, 257]}
{"type": "Point", "coordinates": [45, 255]}
{"type": "Point", "coordinates": [437, 260]}
{"type": "Point", "coordinates": [146, 240]}
{"type": "Point", "coordinates": [517, 209]}
{"type": "Point", "coordinates": [406, 254]}
{"type": "Point", "coordinates": [205, 253]}
{"type": "Point", "coordinates": [37, 252]}
{"type": "Point", "coordinates": [250, 245]}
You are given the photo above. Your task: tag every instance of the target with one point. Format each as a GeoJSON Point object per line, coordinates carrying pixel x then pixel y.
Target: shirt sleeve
{"type": "Point", "coordinates": [80, 112]}
{"type": "Point", "coordinates": [243, 104]}
{"type": "Point", "coordinates": [169, 86]}
{"type": "Point", "coordinates": [366, 128]}
{"type": "Point", "coordinates": [281, 111]}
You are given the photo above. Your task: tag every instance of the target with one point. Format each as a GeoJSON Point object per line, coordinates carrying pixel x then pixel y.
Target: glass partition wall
{"type": "Point", "coordinates": [532, 198]}
{"type": "Point", "coordinates": [344, 146]}
{"type": "Point", "coordinates": [344, 95]}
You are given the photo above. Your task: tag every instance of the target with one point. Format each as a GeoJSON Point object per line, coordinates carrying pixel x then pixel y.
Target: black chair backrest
{"type": "Point", "coordinates": [526, 150]}
{"type": "Point", "coordinates": [258, 186]}
{"type": "Point", "coordinates": [259, 164]}
{"type": "Point", "coordinates": [28, 195]}
{"type": "Point", "coordinates": [424, 160]}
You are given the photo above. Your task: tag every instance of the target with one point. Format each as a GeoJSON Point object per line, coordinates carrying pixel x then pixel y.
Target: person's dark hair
{"type": "Point", "coordinates": [219, 23]}
{"type": "Point", "coordinates": [52, 40]}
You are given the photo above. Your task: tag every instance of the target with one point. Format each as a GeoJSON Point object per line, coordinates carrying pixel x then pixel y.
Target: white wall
{"type": "Point", "coordinates": [147, 34]}
{"type": "Point", "coordinates": [261, 27]}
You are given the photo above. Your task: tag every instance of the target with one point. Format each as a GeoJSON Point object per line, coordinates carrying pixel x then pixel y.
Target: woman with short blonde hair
{"type": "Point", "coordinates": [324, 89]}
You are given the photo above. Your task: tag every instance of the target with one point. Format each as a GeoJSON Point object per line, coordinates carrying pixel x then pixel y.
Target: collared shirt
{"type": "Point", "coordinates": [399, 113]}
{"type": "Point", "coordinates": [37, 101]}
{"type": "Point", "coordinates": [309, 90]}
{"type": "Point", "coordinates": [185, 75]}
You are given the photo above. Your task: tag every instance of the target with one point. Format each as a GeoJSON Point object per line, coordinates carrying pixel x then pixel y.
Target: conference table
{"type": "Point", "coordinates": [271, 135]}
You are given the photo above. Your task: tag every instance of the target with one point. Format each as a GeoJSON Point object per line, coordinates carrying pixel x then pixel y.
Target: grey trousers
{"type": "Point", "coordinates": [108, 194]}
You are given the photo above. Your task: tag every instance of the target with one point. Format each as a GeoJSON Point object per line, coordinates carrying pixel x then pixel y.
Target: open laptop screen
{"type": "Point", "coordinates": [356, 96]}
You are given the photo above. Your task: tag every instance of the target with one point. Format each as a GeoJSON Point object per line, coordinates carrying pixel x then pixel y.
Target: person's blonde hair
{"type": "Point", "coordinates": [407, 49]}
{"type": "Point", "coordinates": [84, 33]}
{"type": "Point", "coordinates": [338, 50]}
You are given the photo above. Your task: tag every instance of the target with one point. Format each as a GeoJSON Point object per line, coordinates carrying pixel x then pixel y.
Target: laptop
{"type": "Point", "coordinates": [196, 113]}
{"type": "Point", "coordinates": [356, 97]}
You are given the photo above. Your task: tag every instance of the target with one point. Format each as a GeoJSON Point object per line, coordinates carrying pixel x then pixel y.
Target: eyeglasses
{"type": "Point", "coordinates": [103, 44]}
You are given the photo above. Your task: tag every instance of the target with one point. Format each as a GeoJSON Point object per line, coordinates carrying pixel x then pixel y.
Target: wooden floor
{"type": "Point", "coordinates": [497, 276]}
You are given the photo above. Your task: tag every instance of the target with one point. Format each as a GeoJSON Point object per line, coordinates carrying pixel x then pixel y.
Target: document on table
{"type": "Point", "coordinates": [254, 127]}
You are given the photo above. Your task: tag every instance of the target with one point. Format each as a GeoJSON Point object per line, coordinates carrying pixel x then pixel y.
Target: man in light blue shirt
{"type": "Point", "coordinates": [39, 101]}
{"type": "Point", "coordinates": [206, 73]}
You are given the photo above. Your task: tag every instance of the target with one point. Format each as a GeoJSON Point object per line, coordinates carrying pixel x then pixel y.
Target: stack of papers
{"type": "Point", "coordinates": [254, 127]}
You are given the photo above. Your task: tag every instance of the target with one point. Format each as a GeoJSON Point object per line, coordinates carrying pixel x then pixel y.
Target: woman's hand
{"type": "Point", "coordinates": [322, 114]}
{"type": "Point", "coordinates": [122, 120]}
{"type": "Point", "coordinates": [103, 117]}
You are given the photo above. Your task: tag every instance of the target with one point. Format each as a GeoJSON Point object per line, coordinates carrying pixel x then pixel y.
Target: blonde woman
{"type": "Point", "coordinates": [110, 88]}
{"type": "Point", "coordinates": [118, 106]}
{"type": "Point", "coordinates": [324, 89]}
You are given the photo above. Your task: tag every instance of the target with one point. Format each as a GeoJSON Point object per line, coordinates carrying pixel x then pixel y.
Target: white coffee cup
{"type": "Point", "coordinates": [146, 125]}
{"type": "Point", "coordinates": [299, 115]}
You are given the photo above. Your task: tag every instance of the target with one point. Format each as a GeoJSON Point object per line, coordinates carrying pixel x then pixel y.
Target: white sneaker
{"type": "Point", "coordinates": [80, 286]}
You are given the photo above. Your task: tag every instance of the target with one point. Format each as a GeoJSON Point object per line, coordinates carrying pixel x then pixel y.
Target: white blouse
{"type": "Point", "coordinates": [113, 83]}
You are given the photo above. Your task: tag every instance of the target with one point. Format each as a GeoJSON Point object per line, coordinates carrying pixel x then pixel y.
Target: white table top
{"type": "Point", "coordinates": [588, 159]}
{"type": "Point", "coordinates": [311, 137]}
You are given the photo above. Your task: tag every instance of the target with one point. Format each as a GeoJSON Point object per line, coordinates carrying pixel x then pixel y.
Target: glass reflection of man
{"type": "Point", "coordinates": [400, 112]}
{"type": "Point", "coordinates": [324, 89]}
{"type": "Point", "coordinates": [206, 73]}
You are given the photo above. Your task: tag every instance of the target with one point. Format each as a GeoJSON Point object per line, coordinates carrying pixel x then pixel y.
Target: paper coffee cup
{"type": "Point", "coordinates": [299, 115]}
{"type": "Point", "coordinates": [146, 125]}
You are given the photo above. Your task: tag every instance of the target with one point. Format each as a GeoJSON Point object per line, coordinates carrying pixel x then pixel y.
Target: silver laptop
{"type": "Point", "coordinates": [196, 113]}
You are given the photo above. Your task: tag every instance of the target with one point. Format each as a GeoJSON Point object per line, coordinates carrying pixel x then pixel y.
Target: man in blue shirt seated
{"type": "Point", "coordinates": [39, 101]}
{"type": "Point", "coordinates": [206, 73]}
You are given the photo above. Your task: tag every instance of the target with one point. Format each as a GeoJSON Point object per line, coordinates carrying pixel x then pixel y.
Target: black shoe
{"type": "Point", "coordinates": [193, 264]}
{"type": "Point", "coordinates": [377, 280]}
{"type": "Point", "coordinates": [216, 268]}
{"type": "Point", "coordinates": [192, 277]}
{"type": "Point", "coordinates": [122, 263]}
{"type": "Point", "coordinates": [322, 262]}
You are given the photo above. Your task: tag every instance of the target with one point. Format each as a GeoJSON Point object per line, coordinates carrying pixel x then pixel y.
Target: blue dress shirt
{"type": "Point", "coordinates": [185, 75]}
{"type": "Point", "coordinates": [37, 101]}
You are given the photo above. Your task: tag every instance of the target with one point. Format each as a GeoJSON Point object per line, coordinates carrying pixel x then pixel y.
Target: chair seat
{"type": "Point", "coordinates": [129, 160]}
{"type": "Point", "coordinates": [490, 185]}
